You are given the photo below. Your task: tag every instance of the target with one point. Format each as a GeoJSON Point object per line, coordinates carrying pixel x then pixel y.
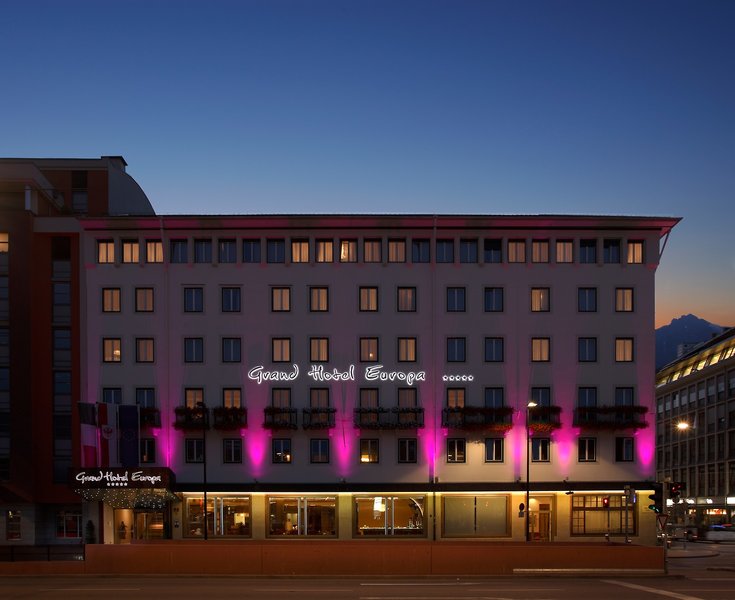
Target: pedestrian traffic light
{"type": "Point", "coordinates": [655, 499]}
{"type": "Point", "coordinates": [606, 502]}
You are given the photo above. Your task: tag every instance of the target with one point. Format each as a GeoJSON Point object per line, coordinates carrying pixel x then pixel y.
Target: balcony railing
{"type": "Point", "coordinates": [230, 417]}
{"type": "Point", "coordinates": [191, 418]}
{"type": "Point", "coordinates": [373, 418]}
{"type": "Point", "coordinates": [544, 419]}
{"type": "Point", "coordinates": [150, 417]}
{"type": "Point", "coordinates": [478, 417]}
{"type": "Point", "coordinates": [408, 417]}
{"type": "Point", "coordinates": [280, 418]}
{"type": "Point", "coordinates": [318, 417]}
{"type": "Point", "coordinates": [611, 417]}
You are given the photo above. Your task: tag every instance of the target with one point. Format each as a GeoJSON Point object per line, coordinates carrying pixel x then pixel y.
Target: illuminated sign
{"type": "Point", "coordinates": [121, 478]}
{"type": "Point", "coordinates": [371, 373]}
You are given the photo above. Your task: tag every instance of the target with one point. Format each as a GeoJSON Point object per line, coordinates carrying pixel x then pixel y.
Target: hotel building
{"type": "Point", "coordinates": [318, 376]}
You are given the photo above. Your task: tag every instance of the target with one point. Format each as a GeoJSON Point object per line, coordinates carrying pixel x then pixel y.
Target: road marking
{"type": "Point", "coordinates": [651, 590]}
{"type": "Point", "coordinates": [437, 598]}
{"type": "Point", "coordinates": [453, 583]}
{"type": "Point", "coordinates": [91, 590]}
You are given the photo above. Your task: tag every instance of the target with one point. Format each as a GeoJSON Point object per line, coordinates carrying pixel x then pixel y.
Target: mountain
{"type": "Point", "coordinates": [687, 329]}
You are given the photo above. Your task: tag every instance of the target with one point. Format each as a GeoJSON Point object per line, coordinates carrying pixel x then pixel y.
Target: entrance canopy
{"type": "Point", "coordinates": [125, 488]}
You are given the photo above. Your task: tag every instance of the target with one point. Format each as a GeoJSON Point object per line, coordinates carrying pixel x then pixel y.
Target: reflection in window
{"type": "Point", "coordinates": [391, 515]}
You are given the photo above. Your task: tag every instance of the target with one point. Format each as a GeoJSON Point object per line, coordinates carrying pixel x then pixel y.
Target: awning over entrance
{"type": "Point", "coordinates": [148, 488]}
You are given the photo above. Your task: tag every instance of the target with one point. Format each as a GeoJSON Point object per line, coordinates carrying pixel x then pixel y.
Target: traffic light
{"type": "Point", "coordinates": [606, 502]}
{"type": "Point", "coordinates": [656, 501]}
{"type": "Point", "coordinates": [675, 490]}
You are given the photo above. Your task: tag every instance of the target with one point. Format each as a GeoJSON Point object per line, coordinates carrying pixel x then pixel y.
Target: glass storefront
{"type": "Point", "coordinates": [302, 516]}
{"type": "Point", "coordinates": [226, 516]}
{"type": "Point", "coordinates": [389, 515]}
{"type": "Point", "coordinates": [476, 516]}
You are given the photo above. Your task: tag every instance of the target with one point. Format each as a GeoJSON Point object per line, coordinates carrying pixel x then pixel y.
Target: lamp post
{"type": "Point", "coordinates": [684, 426]}
{"type": "Point", "coordinates": [529, 406]}
{"type": "Point", "coordinates": [203, 408]}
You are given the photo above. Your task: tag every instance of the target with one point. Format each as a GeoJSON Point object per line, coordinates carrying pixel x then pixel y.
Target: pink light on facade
{"type": "Point", "coordinates": [645, 447]}
{"type": "Point", "coordinates": [257, 445]}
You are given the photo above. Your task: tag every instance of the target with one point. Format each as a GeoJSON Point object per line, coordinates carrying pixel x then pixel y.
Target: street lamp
{"type": "Point", "coordinates": [529, 406]}
{"type": "Point", "coordinates": [684, 427]}
{"type": "Point", "coordinates": [203, 408]}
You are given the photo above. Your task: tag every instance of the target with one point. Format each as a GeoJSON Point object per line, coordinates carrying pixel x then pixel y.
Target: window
{"type": "Point", "coordinates": [227, 251]}
{"type": "Point", "coordinates": [588, 251]}
{"type": "Point", "coordinates": [623, 449]}
{"type": "Point", "coordinates": [281, 349]}
{"type": "Point", "coordinates": [231, 352]}
{"type": "Point", "coordinates": [281, 397]}
{"type": "Point", "coordinates": [456, 450]}
{"type": "Point", "coordinates": [280, 299]}
{"type": "Point", "coordinates": [541, 396]}
{"type": "Point", "coordinates": [194, 350]}
{"type": "Point", "coordinates": [587, 349]}
{"type": "Point", "coordinates": [147, 450]}
{"type": "Point", "coordinates": [540, 349]}
{"type": "Point", "coordinates": [540, 299]}
{"type": "Point", "coordinates": [369, 451]}
{"type": "Point", "coordinates": [318, 299]}
{"type": "Point", "coordinates": [4, 243]}
{"type": "Point", "coordinates": [143, 299]}
{"type": "Point", "coordinates": [445, 251]}
{"type": "Point", "coordinates": [179, 251]}
{"type": "Point", "coordinates": [319, 350]}
{"type": "Point", "coordinates": [564, 251]}
{"type": "Point", "coordinates": [302, 516]}
{"type": "Point", "coordinates": [456, 299]}
{"type": "Point", "coordinates": [194, 450]}
{"type": "Point", "coordinates": [193, 397]}
{"type": "Point", "coordinates": [623, 299]}
{"type": "Point", "coordinates": [591, 515]}
{"type": "Point", "coordinates": [69, 524]}
{"type": "Point", "coordinates": [587, 299]}
{"type": "Point", "coordinates": [111, 350]}
{"type": "Point", "coordinates": [587, 449]}
{"type": "Point", "coordinates": [319, 450]}
{"type": "Point", "coordinates": [232, 397]}
{"type": "Point", "coordinates": [406, 299]}
{"type": "Point", "coordinates": [324, 251]}
{"type": "Point", "coordinates": [145, 397]}
{"type": "Point", "coordinates": [494, 349]}
{"type": "Point", "coordinates": [623, 349]}
{"type": "Point", "coordinates": [299, 251]}
{"type": "Point", "coordinates": [368, 299]}
{"type": "Point", "coordinates": [540, 449]}
{"type": "Point", "coordinates": [624, 396]}
{"type": "Point", "coordinates": [281, 451]}
{"type": "Point", "coordinates": [231, 451]}
{"type": "Point", "coordinates": [456, 349]}
{"type": "Point", "coordinates": [493, 250]}
{"type": "Point", "coordinates": [540, 251]}
{"type": "Point", "coordinates": [130, 251]}
{"type": "Point", "coordinates": [318, 398]}
{"type": "Point", "coordinates": [193, 299]}
{"type": "Point", "coordinates": [493, 450]}
{"type": "Point", "coordinates": [516, 251]}
{"type": "Point", "coordinates": [396, 250]}
{"type": "Point", "coordinates": [407, 450]}
{"type": "Point", "coordinates": [251, 251]}
{"type": "Point", "coordinates": [110, 299]}
{"type": "Point", "coordinates": [202, 251]}
{"type": "Point", "coordinates": [371, 251]}
{"type": "Point", "coordinates": [105, 252]}
{"type": "Point", "coordinates": [587, 397]}
{"type": "Point", "coordinates": [494, 397]}
{"type": "Point", "coordinates": [493, 299]}
{"type": "Point", "coordinates": [635, 252]}
{"type": "Point", "coordinates": [231, 299]}
{"type": "Point", "coordinates": [112, 395]}
{"type": "Point", "coordinates": [144, 350]}
{"type": "Point", "coordinates": [455, 397]}
{"type": "Point", "coordinates": [154, 251]}
{"type": "Point", "coordinates": [275, 251]}
{"type": "Point", "coordinates": [407, 349]}
{"type": "Point", "coordinates": [611, 251]}
{"type": "Point", "coordinates": [468, 251]}
{"type": "Point", "coordinates": [420, 251]}
{"type": "Point", "coordinates": [368, 349]}
{"type": "Point", "coordinates": [348, 251]}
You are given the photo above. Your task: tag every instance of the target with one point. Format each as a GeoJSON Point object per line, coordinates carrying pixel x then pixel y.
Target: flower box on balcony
{"type": "Point", "coordinates": [318, 417]}
{"type": "Point", "coordinates": [280, 418]}
{"type": "Point", "coordinates": [373, 418]}
{"type": "Point", "coordinates": [408, 417]}
{"type": "Point", "coordinates": [230, 417]}
{"type": "Point", "coordinates": [191, 418]}
{"type": "Point", "coordinates": [610, 417]}
{"type": "Point", "coordinates": [544, 419]}
{"type": "Point", "coordinates": [478, 417]}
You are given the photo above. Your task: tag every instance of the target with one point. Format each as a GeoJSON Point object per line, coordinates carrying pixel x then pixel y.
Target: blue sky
{"type": "Point", "coordinates": [620, 107]}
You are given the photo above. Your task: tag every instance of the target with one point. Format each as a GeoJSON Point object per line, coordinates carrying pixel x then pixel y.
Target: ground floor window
{"type": "Point", "coordinates": [476, 516]}
{"type": "Point", "coordinates": [226, 516]}
{"type": "Point", "coordinates": [389, 515]}
{"type": "Point", "coordinates": [12, 525]}
{"type": "Point", "coordinates": [303, 515]}
{"type": "Point", "coordinates": [68, 524]}
{"type": "Point", "coordinates": [598, 514]}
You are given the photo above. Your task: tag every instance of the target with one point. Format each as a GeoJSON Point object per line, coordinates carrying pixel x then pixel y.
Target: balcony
{"type": "Point", "coordinates": [230, 417]}
{"type": "Point", "coordinates": [408, 417]}
{"type": "Point", "coordinates": [610, 417]}
{"type": "Point", "coordinates": [150, 417]}
{"type": "Point", "coordinates": [191, 418]}
{"type": "Point", "coordinates": [478, 417]}
{"type": "Point", "coordinates": [544, 419]}
{"type": "Point", "coordinates": [280, 418]}
{"type": "Point", "coordinates": [373, 418]}
{"type": "Point", "coordinates": [318, 418]}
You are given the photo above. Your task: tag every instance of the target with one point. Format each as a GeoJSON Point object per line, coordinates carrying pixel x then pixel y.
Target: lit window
{"type": "Point", "coordinates": [4, 243]}
{"type": "Point", "coordinates": [540, 299]}
{"type": "Point", "coordinates": [281, 349]}
{"type": "Point", "coordinates": [371, 251]}
{"type": "Point", "coordinates": [319, 450]}
{"type": "Point", "coordinates": [516, 251]}
{"type": "Point", "coordinates": [540, 449]}
{"type": "Point", "coordinates": [369, 451]}
{"type": "Point", "coordinates": [111, 300]}
{"type": "Point", "coordinates": [232, 397]}
{"type": "Point", "coordinates": [587, 299]}
{"type": "Point", "coordinates": [324, 251]}
{"type": "Point", "coordinates": [194, 350]}
{"type": "Point", "coordinates": [280, 299]}
{"type": "Point", "coordinates": [179, 251]}
{"type": "Point", "coordinates": [445, 251]}
{"type": "Point", "coordinates": [231, 299]}
{"type": "Point", "coordinates": [227, 251]}
{"type": "Point", "coordinates": [455, 299]}
{"type": "Point", "coordinates": [368, 299]}
{"type": "Point", "coordinates": [319, 398]}
{"type": "Point", "coordinates": [540, 349]}
{"type": "Point", "coordinates": [635, 252]}
{"type": "Point", "coordinates": [111, 350]}
{"type": "Point", "coordinates": [406, 299]}
{"type": "Point", "coordinates": [319, 349]}
{"type": "Point", "coordinates": [493, 250]}
{"type": "Point", "coordinates": [130, 251]}
{"type": "Point", "coordinates": [611, 251]}
{"type": "Point", "coordinates": [299, 251]}
{"type": "Point", "coordinates": [231, 350]}
{"type": "Point", "coordinates": [348, 251]}
{"type": "Point", "coordinates": [368, 349]}
{"type": "Point", "coordinates": [282, 451]}
{"type": "Point", "coordinates": [623, 349]}
{"type": "Point", "coordinates": [203, 251]}
{"type": "Point", "coordinates": [105, 251]}
{"type": "Point", "coordinates": [494, 449]}
{"type": "Point", "coordinates": [407, 349]}
{"type": "Point", "coordinates": [468, 251]}
{"type": "Point", "coordinates": [587, 450]}
{"type": "Point", "coordinates": [564, 251]}
{"type": "Point", "coordinates": [251, 251]}
{"type": "Point", "coordinates": [493, 299]}
{"type": "Point", "coordinates": [396, 250]}
{"type": "Point", "coordinates": [456, 450]}
{"type": "Point", "coordinates": [587, 349]}
{"type": "Point", "coordinates": [154, 251]}
{"type": "Point", "coordinates": [420, 251]}
{"type": "Point", "coordinates": [193, 397]}
{"type": "Point", "coordinates": [144, 299]}
{"type": "Point", "coordinates": [456, 349]}
{"type": "Point", "coordinates": [455, 397]}
{"type": "Point", "coordinates": [540, 251]}
{"type": "Point", "coordinates": [494, 349]}
{"type": "Point", "coordinates": [588, 251]}
{"type": "Point", "coordinates": [281, 397]}
{"type": "Point", "coordinates": [144, 350]}
{"type": "Point", "coordinates": [318, 299]}
{"type": "Point", "coordinates": [624, 299]}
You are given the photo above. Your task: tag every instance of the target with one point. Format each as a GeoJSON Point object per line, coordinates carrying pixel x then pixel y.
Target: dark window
{"type": "Point", "coordinates": [468, 251]}
{"type": "Point", "coordinates": [179, 251]}
{"type": "Point", "coordinates": [227, 251]}
{"type": "Point", "coordinates": [588, 251]}
{"type": "Point", "coordinates": [456, 299]}
{"type": "Point", "coordinates": [587, 299]}
{"type": "Point", "coordinates": [611, 251]}
{"type": "Point", "coordinates": [445, 251]}
{"type": "Point", "coordinates": [587, 349]}
{"type": "Point", "coordinates": [193, 299]}
{"type": "Point", "coordinates": [231, 299]}
{"type": "Point", "coordinates": [624, 449]}
{"type": "Point", "coordinates": [493, 299]}
{"type": "Point", "coordinates": [456, 349]}
{"type": "Point", "coordinates": [276, 251]}
{"type": "Point", "coordinates": [587, 450]}
{"type": "Point", "coordinates": [540, 449]}
{"type": "Point", "coordinates": [455, 450]}
{"type": "Point", "coordinates": [407, 450]}
{"type": "Point", "coordinates": [231, 350]}
{"type": "Point", "coordinates": [202, 251]}
{"type": "Point", "coordinates": [193, 350]}
{"type": "Point", "coordinates": [420, 251]}
{"type": "Point", "coordinates": [194, 450]}
{"type": "Point", "coordinates": [232, 451]}
{"type": "Point", "coordinates": [494, 349]}
{"type": "Point", "coordinates": [319, 450]}
{"type": "Point", "coordinates": [251, 251]}
{"type": "Point", "coordinates": [494, 449]}
{"type": "Point", "coordinates": [493, 251]}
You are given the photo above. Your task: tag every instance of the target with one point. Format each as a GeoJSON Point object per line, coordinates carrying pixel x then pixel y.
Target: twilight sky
{"type": "Point", "coordinates": [553, 106]}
